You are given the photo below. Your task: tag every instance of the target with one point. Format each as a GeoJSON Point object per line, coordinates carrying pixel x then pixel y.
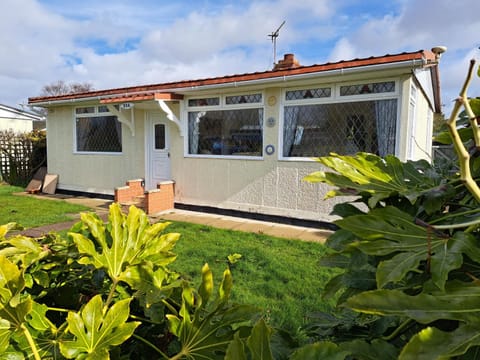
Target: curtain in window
{"type": "Point", "coordinates": [386, 120]}
{"type": "Point", "coordinates": [194, 130]}
{"type": "Point", "coordinates": [118, 129]}
{"type": "Point", "coordinates": [290, 122]}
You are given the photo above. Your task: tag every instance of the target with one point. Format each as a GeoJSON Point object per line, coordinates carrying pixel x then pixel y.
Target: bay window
{"type": "Point", "coordinates": [318, 125]}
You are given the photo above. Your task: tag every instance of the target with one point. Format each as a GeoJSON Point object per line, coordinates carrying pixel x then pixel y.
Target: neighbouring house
{"type": "Point", "coordinates": [243, 142]}
{"type": "Point", "coordinates": [19, 121]}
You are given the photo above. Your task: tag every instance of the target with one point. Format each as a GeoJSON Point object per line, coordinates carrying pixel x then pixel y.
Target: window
{"type": "Point", "coordinates": [204, 102]}
{"type": "Point", "coordinates": [160, 136]}
{"type": "Point", "coordinates": [235, 129]}
{"type": "Point", "coordinates": [226, 132]}
{"type": "Point", "coordinates": [97, 131]}
{"type": "Point", "coordinates": [308, 94]}
{"type": "Point", "coordinates": [373, 88]}
{"type": "Point", "coordinates": [345, 128]}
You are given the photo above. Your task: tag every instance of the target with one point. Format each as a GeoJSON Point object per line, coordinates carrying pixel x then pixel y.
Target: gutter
{"type": "Point", "coordinates": [277, 79]}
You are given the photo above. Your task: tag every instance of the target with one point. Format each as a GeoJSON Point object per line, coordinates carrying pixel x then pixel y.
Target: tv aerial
{"type": "Point", "coordinates": [274, 36]}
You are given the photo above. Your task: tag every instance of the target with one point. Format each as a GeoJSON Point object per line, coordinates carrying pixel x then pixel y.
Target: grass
{"type": "Point", "coordinates": [280, 276]}
{"type": "Point", "coordinates": [29, 211]}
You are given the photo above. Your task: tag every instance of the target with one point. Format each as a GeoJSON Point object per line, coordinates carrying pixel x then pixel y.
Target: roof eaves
{"type": "Point", "coordinates": [237, 78]}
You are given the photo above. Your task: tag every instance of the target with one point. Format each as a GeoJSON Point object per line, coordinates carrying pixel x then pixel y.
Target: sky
{"type": "Point", "coordinates": [117, 43]}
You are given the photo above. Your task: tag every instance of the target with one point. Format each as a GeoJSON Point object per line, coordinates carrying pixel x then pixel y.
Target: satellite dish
{"type": "Point", "coordinates": [439, 50]}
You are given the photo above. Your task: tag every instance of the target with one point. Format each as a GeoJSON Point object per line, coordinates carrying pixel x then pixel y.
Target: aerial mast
{"type": "Point", "coordinates": [274, 36]}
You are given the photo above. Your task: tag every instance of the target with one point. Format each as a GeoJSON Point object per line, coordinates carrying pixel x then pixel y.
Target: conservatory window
{"type": "Point", "coordinates": [346, 128]}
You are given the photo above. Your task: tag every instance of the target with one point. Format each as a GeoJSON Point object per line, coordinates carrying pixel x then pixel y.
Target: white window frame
{"type": "Point", "coordinates": [335, 98]}
{"type": "Point", "coordinates": [96, 113]}
{"type": "Point", "coordinates": [220, 107]}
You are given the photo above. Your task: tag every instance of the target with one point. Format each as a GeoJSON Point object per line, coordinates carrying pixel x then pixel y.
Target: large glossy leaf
{"type": "Point", "coordinates": [24, 250]}
{"type": "Point", "coordinates": [459, 301]}
{"type": "Point", "coordinates": [374, 350]}
{"type": "Point", "coordinates": [390, 231]}
{"type": "Point", "coordinates": [236, 349]}
{"type": "Point", "coordinates": [259, 341]}
{"type": "Point", "coordinates": [5, 334]}
{"type": "Point", "coordinates": [203, 331]}
{"type": "Point", "coordinates": [96, 330]}
{"type": "Point", "coordinates": [11, 282]}
{"type": "Point", "coordinates": [432, 343]}
{"type": "Point", "coordinates": [320, 350]}
{"type": "Point", "coordinates": [126, 241]}
{"type": "Point", "coordinates": [4, 229]}
{"type": "Point", "coordinates": [376, 176]}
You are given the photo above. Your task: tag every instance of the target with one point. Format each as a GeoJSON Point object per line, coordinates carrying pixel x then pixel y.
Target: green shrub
{"type": "Point", "coordinates": [410, 255]}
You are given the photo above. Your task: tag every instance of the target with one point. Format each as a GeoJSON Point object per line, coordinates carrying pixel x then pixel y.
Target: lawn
{"type": "Point", "coordinates": [29, 211]}
{"type": "Point", "coordinates": [280, 276]}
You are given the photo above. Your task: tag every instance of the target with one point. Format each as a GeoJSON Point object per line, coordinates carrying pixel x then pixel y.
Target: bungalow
{"type": "Point", "coordinates": [243, 142]}
{"type": "Point", "coordinates": [16, 120]}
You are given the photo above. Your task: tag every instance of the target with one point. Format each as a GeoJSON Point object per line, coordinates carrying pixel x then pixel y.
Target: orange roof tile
{"type": "Point", "coordinates": [135, 93]}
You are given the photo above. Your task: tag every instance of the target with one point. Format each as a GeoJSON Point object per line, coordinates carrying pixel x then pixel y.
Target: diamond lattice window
{"type": "Point", "coordinates": [308, 94]}
{"type": "Point", "coordinates": [97, 133]}
{"type": "Point", "coordinates": [226, 132]}
{"type": "Point", "coordinates": [373, 88]}
{"type": "Point", "coordinates": [344, 128]}
{"type": "Point", "coordinates": [243, 99]}
{"type": "Point", "coordinates": [204, 101]}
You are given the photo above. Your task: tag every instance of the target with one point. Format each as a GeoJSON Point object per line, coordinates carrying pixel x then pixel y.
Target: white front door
{"type": "Point", "coordinates": [158, 151]}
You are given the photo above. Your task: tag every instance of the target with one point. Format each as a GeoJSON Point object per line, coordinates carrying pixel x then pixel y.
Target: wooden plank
{"type": "Point", "coordinates": [50, 183]}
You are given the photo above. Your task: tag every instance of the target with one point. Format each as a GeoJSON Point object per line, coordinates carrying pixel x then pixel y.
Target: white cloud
{"type": "Point", "coordinates": [115, 43]}
{"type": "Point", "coordinates": [422, 25]}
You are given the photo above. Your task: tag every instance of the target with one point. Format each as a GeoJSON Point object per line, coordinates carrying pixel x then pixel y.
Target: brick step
{"type": "Point", "coordinates": [138, 201]}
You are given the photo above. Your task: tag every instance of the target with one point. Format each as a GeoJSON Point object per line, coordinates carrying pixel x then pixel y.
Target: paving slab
{"type": "Point", "coordinates": [100, 206]}
{"type": "Point", "coordinates": [255, 227]}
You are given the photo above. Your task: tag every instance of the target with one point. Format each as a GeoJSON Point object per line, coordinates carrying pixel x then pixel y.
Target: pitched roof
{"type": "Point", "coordinates": [21, 114]}
{"type": "Point", "coordinates": [423, 56]}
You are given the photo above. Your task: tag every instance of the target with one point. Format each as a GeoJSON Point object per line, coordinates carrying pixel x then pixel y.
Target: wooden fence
{"type": "Point", "coordinates": [20, 156]}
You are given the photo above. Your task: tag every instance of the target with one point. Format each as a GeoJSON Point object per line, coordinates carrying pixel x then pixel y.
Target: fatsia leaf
{"type": "Point", "coordinates": [432, 343]}
{"type": "Point", "coordinates": [125, 241]}
{"type": "Point", "coordinates": [374, 350]}
{"type": "Point", "coordinates": [446, 139]}
{"type": "Point", "coordinates": [459, 301]}
{"type": "Point", "coordinates": [378, 177]}
{"type": "Point", "coordinates": [4, 229]}
{"type": "Point", "coordinates": [390, 231]}
{"type": "Point", "coordinates": [5, 334]}
{"type": "Point", "coordinates": [206, 287]}
{"type": "Point", "coordinates": [259, 341]}
{"type": "Point", "coordinates": [11, 282]}
{"type": "Point", "coordinates": [37, 318]}
{"type": "Point", "coordinates": [395, 269]}
{"type": "Point", "coordinates": [206, 333]}
{"type": "Point", "coordinates": [320, 350]}
{"type": "Point", "coordinates": [388, 223]}
{"type": "Point", "coordinates": [24, 250]}
{"type": "Point", "coordinates": [96, 332]}
{"type": "Point", "coordinates": [475, 105]}
{"type": "Point", "coordinates": [236, 349]}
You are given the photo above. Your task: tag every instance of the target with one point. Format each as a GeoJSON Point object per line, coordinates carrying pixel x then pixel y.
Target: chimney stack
{"type": "Point", "coordinates": [288, 62]}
